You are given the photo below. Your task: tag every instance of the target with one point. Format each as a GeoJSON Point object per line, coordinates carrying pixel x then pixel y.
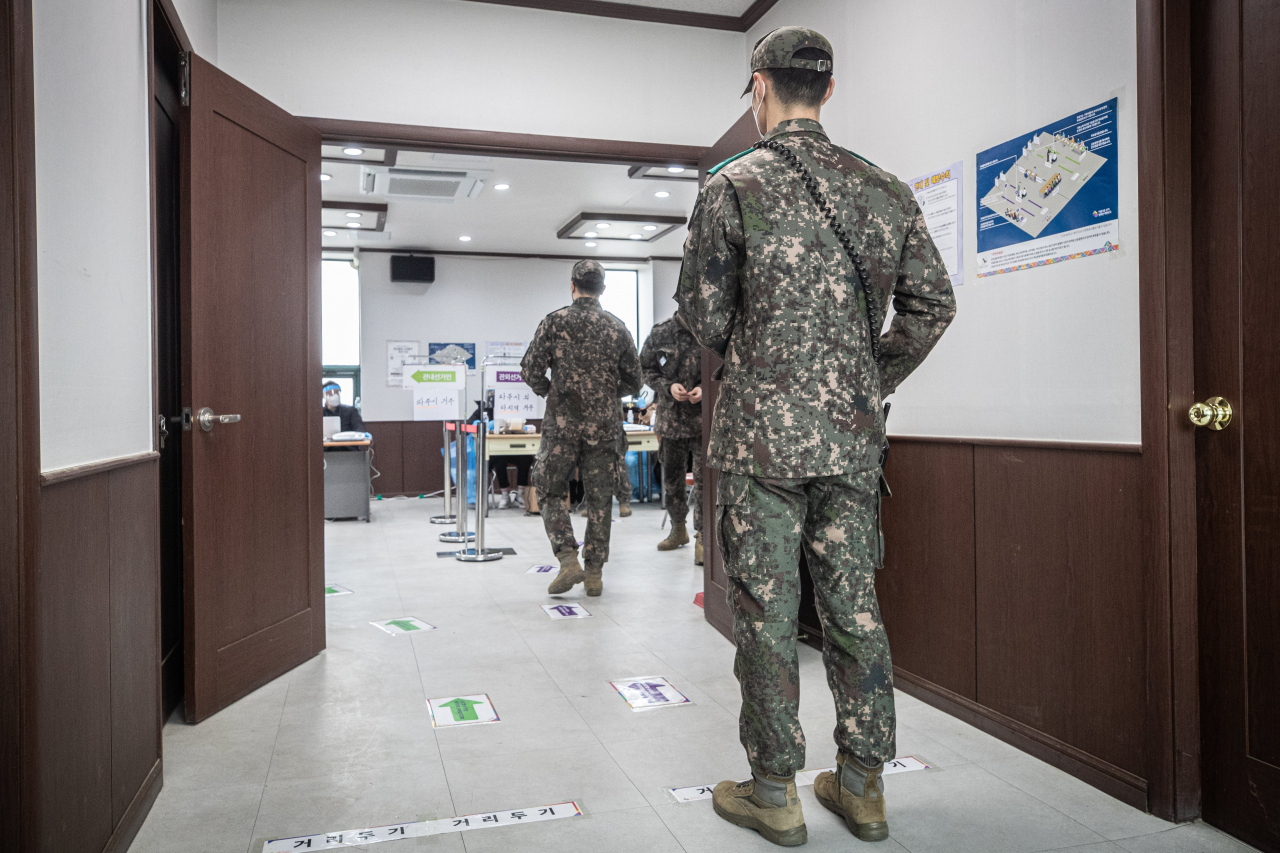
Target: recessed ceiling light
{"type": "Point", "coordinates": [662, 194]}
{"type": "Point", "coordinates": [353, 152]}
{"type": "Point", "coordinates": [602, 224]}
{"type": "Point", "coordinates": [502, 186]}
{"type": "Point", "coordinates": [351, 214]}
{"type": "Point", "coordinates": [331, 233]}
{"type": "Point", "coordinates": [353, 224]}
{"type": "Point", "coordinates": [675, 170]}
{"type": "Point", "coordinates": [464, 238]}
{"type": "Point", "coordinates": [592, 234]}
{"type": "Point", "coordinates": [651, 228]}
{"type": "Point", "coordinates": [325, 177]}
{"type": "Point", "coordinates": [589, 245]}
{"type": "Point", "coordinates": [635, 237]}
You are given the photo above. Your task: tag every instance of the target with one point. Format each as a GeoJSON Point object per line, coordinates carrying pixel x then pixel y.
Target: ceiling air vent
{"type": "Point", "coordinates": [426, 184]}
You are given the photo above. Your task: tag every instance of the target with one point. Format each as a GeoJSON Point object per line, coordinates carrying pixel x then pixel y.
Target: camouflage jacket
{"type": "Point", "coordinates": [671, 355]}
{"type": "Point", "coordinates": [593, 364]}
{"type": "Point", "coordinates": [766, 284]}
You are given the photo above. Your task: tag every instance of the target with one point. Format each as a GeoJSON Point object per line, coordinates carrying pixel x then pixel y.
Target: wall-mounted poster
{"type": "Point", "coordinates": [397, 353]}
{"type": "Point", "coordinates": [452, 354]}
{"type": "Point", "coordinates": [1050, 195]}
{"type": "Point", "coordinates": [939, 195]}
{"type": "Point", "coordinates": [505, 349]}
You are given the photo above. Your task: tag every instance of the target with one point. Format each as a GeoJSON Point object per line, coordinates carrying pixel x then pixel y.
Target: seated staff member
{"type": "Point", "coordinates": [672, 364]}
{"type": "Point", "coordinates": [349, 419]}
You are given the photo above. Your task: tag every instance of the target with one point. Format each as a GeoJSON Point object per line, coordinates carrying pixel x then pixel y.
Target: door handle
{"type": "Point", "coordinates": [1215, 413]}
{"type": "Point", "coordinates": [207, 419]}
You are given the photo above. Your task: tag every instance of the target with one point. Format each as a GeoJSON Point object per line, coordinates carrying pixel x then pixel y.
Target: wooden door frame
{"type": "Point", "coordinates": [20, 465]}
{"type": "Point", "coordinates": [1168, 441]}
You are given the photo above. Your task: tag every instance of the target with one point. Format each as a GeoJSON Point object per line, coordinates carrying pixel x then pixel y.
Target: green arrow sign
{"type": "Point", "coordinates": [328, 590]}
{"type": "Point", "coordinates": [404, 625]}
{"type": "Point", "coordinates": [433, 376]}
{"type": "Point", "coordinates": [462, 709]}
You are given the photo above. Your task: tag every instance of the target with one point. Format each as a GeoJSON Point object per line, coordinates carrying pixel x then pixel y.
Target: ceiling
{"type": "Point", "coordinates": [543, 197]}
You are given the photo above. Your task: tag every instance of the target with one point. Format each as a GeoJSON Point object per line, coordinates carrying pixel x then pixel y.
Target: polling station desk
{"type": "Point", "coordinates": [346, 479]}
{"type": "Point", "coordinates": [644, 442]}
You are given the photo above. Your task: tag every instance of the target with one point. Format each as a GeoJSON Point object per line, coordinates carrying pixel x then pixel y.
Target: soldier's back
{"type": "Point", "coordinates": [587, 345]}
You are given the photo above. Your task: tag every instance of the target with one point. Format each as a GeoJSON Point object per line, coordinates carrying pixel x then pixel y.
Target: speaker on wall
{"type": "Point", "coordinates": [413, 268]}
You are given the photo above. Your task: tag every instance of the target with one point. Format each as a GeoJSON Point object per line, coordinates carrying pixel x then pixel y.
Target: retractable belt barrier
{"type": "Point", "coordinates": [478, 554]}
{"type": "Point", "coordinates": [459, 536]}
{"type": "Point", "coordinates": [448, 517]}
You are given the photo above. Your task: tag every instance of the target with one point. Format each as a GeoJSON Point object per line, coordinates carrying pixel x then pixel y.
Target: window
{"type": "Point", "coordinates": [340, 327]}
{"type": "Point", "coordinates": [621, 298]}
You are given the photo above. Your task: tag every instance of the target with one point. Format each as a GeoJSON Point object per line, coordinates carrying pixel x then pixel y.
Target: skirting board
{"type": "Point", "coordinates": [1106, 777]}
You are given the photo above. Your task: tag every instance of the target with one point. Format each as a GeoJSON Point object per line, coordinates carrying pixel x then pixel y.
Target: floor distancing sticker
{"type": "Point", "coordinates": [403, 625]}
{"type": "Point", "coordinates": [540, 570]}
{"type": "Point", "coordinates": [805, 777]}
{"type": "Point", "coordinates": [566, 611]}
{"type": "Point", "coordinates": [420, 828]}
{"type": "Point", "coordinates": [334, 589]}
{"type": "Point", "coordinates": [462, 710]}
{"type": "Point", "coordinates": [646, 692]}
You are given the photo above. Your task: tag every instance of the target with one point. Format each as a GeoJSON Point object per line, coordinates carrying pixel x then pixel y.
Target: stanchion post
{"type": "Point", "coordinates": [480, 554]}
{"type": "Point", "coordinates": [448, 517]}
{"type": "Point", "coordinates": [460, 449]}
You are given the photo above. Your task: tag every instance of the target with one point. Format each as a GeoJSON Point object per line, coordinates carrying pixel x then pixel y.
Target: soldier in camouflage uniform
{"type": "Point", "coordinates": [796, 311]}
{"type": "Point", "coordinates": [672, 364]}
{"type": "Point", "coordinates": [593, 364]}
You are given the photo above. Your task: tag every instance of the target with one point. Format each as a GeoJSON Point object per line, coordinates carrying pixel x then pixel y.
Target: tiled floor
{"type": "Point", "coordinates": [345, 740]}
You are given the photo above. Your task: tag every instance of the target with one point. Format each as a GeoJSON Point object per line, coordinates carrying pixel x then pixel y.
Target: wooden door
{"type": "Point", "coordinates": [252, 490]}
{"type": "Point", "coordinates": [715, 585]}
{"type": "Point", "coordinates": [1236, 251]}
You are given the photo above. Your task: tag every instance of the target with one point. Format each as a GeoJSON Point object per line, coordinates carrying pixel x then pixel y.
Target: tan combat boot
{"type": "Point", "coordinates": [594, 581]}
{"type": "Point", "coordinates": [624, 509]}
{"type": "Point", "coordinates": [678, 536]}
{"type": "Point", "coordinates": [570, 573]}
{"type": "Point", "coordinates": [768, 805]}
{"type": "Point", "coordinates": [697, 549]}
{"type": "Point", "coordinates": [863, 811]}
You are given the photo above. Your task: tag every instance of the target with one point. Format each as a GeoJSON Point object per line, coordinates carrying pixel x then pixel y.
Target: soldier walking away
{"type": "Point", "coordinates": [672, 364]}
{"type": "Point", "coordinates": [593, 365]}
{"type": "Point", "coordinates": [622, 487]}
{"type": "Point", "coordinates": [795, 248]}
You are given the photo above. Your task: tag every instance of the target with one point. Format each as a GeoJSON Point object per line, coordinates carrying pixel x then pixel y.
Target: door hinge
{"type": "Point", "coordinates": [184, 89]}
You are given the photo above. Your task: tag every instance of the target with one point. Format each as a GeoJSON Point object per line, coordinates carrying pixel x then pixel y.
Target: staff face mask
{"type": "Point", "coordinates": [332, 399]}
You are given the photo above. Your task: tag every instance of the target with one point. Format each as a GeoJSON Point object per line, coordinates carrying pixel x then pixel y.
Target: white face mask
{"type": "Point", "coordinates": [755, 108]}
{"type": "Point", "coordinates": [332, 399]}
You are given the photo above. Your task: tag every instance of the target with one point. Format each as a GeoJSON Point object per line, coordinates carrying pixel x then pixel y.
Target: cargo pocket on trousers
{"type": "Point", "coordinates": [731, 490]}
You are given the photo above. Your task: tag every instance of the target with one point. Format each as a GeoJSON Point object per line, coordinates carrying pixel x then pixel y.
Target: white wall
{"type": "Point", "coordinates": [93, 228]}
{"type": "Point", "coordinates": [451, 63]}
{"type": "Point", "coordinates": [200, 20]}
{"type": "Point", "coordinates": [472, 300]}
{"type": "Point", "coordinates": [666, 275]}
{"type": "Point", "coordinates": [1050, 353]}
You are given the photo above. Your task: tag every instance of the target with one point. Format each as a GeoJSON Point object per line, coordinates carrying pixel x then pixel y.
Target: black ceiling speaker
{"type": "Point", "coordinates": [413, 268]}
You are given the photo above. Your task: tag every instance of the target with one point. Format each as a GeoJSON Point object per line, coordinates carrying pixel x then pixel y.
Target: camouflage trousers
{"type": "Point", "coordinates": [622, 479]}
{"type": "Point", "coordinates": [763, 524]}
{"type": "Point", "coordinates": [596, 463]}
{"type": "Point", "coordinates": [674, 455]}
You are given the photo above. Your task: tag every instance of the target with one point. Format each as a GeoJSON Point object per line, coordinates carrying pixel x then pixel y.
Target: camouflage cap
{"type": "Point", "coordinates": [777, 50]}
{"type": "Point", "coordinates": [588, 271]}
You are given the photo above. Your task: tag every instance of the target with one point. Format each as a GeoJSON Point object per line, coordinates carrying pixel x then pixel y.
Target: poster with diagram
{"type": "Point", "coordinates": [452, 353]}
{"type": "Point", "coordinates": [1050, 195]}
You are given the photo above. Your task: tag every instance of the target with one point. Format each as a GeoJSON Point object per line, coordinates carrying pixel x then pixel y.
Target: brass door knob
{"type": "Point", "coordinates": [1215, 413]}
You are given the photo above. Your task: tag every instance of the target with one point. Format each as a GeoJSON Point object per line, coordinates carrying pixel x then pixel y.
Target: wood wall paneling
{"type": "Point", "coordinates": [927, 586]}
{"type": "Point", "coordinates": [423, 462]}
{"type": "Point", "coordinates": [387, 456]}
{"type": "Point", "coordinates": [73, 667]}
{"type": "Point", "coordinates": [135, 631]}
{"type": "Point", "coordinates": [1059, 597]}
